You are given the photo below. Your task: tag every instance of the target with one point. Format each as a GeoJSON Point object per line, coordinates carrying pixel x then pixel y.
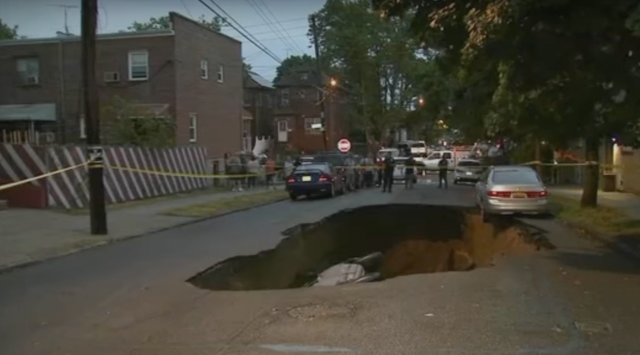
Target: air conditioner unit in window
{"type": "Point", "coordinates": [111, 77]}
{"type": "Point", "coordinates": [34, 79]}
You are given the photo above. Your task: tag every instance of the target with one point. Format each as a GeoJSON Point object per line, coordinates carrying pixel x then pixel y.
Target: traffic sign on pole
{"type": "Point", "coordinates": [344, 145]}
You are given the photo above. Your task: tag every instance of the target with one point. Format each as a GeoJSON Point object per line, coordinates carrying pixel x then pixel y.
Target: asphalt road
{"type": "Point", "coordinates": [131, 298]}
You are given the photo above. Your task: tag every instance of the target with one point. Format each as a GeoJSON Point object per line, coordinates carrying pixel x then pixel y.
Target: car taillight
{"type": "Point", "coordinates": [324, 178]}
{"type": "Point", "coordinates": [492, 193]}
{"type": "Point", "coordinates": [536, 194]}
{"type": "Point", "coordinates": [291, 179]}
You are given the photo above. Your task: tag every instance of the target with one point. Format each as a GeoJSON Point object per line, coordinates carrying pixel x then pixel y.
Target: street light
{"type": "Point", "coordinates": [420, 101]}
{"type": "Point", "coordinates": [333, 82]}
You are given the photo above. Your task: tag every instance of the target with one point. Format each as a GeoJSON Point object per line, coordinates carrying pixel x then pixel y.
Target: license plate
{"type": "Point", "coordinates": [469, 173]}
{"type": "Point", "coordinates": [519, 195]}
{"type": "Point", "coordinates": [306, 178]}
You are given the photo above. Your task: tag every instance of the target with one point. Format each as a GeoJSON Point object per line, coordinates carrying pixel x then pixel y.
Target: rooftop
{"type": "Point", "coordinates": [74, 38]}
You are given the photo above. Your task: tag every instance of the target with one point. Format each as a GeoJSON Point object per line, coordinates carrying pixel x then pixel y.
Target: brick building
{"type": "Point", "coordinates": [189, 73]}
{"type": "Point", "coordinates": [298, 109]}
{"type": "Point", "coordinates": [259, 102]}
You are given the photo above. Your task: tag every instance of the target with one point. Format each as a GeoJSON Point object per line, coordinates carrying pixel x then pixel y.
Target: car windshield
{"type": "Point", "coordinates": [514, 177]}
{"type": "Point", "coordinates": [469, 163]}
{"type": "Point", "coordinates": [418, 145]}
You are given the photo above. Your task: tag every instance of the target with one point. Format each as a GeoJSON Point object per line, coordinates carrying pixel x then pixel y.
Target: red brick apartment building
{"type": "Point", "coordinates": [188, 72]}
{"type": "Point", "coordinates": [298, 108]}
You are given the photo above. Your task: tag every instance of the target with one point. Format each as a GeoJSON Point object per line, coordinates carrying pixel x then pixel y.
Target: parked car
{"type": "Point", "coordinates": [343, 164]}
{"type": "Point", "coordinates": [467, 170]}
{"type": "Point", "coordinates": [511, 190]}
{"type": "Point", "coordinates": [314, 179]}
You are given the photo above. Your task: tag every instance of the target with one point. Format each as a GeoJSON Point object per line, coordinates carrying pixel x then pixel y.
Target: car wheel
{"type": "Point", "coordinates": [293, 196]}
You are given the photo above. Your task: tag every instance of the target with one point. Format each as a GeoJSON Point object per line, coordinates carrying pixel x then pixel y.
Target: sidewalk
{"type": "Point", "coordinates": [28, 236]}
{"type": "Point", "coordinates": [627, 202]}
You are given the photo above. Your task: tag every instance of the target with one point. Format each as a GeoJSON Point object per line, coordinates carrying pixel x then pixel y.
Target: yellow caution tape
{"type": "Point", "coordinates": [39, 177]}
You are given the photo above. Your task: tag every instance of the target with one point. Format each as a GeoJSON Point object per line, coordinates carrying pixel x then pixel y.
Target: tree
{"type": "Point", "coordinates": [164, 23]}
{"type": "Point", "coordinates": [376, 59]}
{"type": "Point", "coordinates": [132, 125]}
{"type": "Point", "coordinates": [8, 32]}
{"type": "Point", "coordinates": [557, 68]}
{"type": "Point", "coordinates": [292, 63]}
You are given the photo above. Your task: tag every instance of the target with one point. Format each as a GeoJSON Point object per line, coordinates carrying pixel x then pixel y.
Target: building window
{"type": "Point", "coordinates": [308, 125]}
{"type": "Point", "coordinates": [204, 69]}
{"type": "Point", "coordinates": [282, 126]}
{"type": "Point", "coordinates": [83, 127]}
{"type": "Point", "coordinates": [193, 127]}
{"type": "Point", "coordinates": [246, 127]}
{"type": "Point", "coordinates": [138, 65]}
{"type": "Point", "coordinates": [29, 71]}
{"type": "Point", "coordinates": [284, 97]}
{"type": "Point", "coordinates": [220, 74]}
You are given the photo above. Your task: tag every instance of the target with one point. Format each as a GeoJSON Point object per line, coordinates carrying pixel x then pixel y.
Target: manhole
{"type": "Point", "coordinates": [320, 311]}
{"type": "Point", "coordinates": [594, 327]}
{"type": "Point", "coordinates": [408, 239]}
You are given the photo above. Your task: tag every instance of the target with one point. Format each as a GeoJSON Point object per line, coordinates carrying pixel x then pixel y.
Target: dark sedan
{"type": "Point", "coordinates": [314, 179]}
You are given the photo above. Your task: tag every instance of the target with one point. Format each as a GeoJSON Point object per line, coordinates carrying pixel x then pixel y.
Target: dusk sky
{"type": "Point", "coordinates": [280, 25]}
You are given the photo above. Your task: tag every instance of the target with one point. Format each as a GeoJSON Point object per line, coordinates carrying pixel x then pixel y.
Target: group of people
{"type": "Point", "coordinates": [385, 174]}
{"type": "Point", "coordinates": [249, 171]}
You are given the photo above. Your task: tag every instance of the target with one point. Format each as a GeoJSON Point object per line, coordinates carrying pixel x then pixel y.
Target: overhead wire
{"type": "Point", "coordinates": [266, 21]}
{"type": "Point", "coordinates": [187, 9]}
{"type": "Point", "coordinates": [244, 33]}
{"type": "Point", "coordinates": [282, 27]}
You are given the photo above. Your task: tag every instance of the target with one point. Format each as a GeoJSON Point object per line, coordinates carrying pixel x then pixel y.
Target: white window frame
{"type": "Point", "coordinates": [204, 69]}
{"type": "Point", "coordinates": [83, 127]}
{"type": "Point", "coordinates": [27, 68]}
{"type": "Point", "coordinates": [283, 125]}
{"type": "Point", "coordinates": [220, 74]}
{"type": "Point", "coordinates": [193, 127]}
{"type": "Point", "coordinates": [284, 102]}
{"type": "Point", "coordinates": [131, 65]}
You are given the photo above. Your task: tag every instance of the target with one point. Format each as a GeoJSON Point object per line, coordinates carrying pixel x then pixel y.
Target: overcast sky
{"type": "Point", "coordinates": [280, 25]}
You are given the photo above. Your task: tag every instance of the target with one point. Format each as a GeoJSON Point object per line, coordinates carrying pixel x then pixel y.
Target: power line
{"type": "Point", "coordinates": [186, 8]}
{"type": "Point", "coordinates": [262, 15]}
{"type": "Point", "coordinates": [283, 21]}
{"type": "Point", "coordinates": [290, 28]}
{"type": "Point", "coordinates": [282, 27]}
{"type": "Point", "coordinates": [246, 35]}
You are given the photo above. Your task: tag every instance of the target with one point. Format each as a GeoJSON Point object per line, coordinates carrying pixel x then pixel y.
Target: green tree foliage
{"type": "Point", "coordinates": [561, 70]}
{"type": "Point", "coordinates": [292, 63]}
{"type": "Point", "coordinates": [377, 59]}
{"type": "Point", "coordinates": [8, 32]}
{"type": "Point", "coordinates": [133, 125]}
{"type": "Point", "coordinates": [164, 22]}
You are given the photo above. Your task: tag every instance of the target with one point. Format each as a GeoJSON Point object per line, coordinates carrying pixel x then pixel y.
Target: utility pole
{"type": "Point", "coordinates": [92, 120]}
{"type": "Point", "coordinates": [321, 83]}
{"type": "Point", "coordinates": [66, 9]}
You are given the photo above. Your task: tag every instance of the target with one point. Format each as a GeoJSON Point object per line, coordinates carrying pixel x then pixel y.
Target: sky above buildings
{"type": "Point", "coordinates": [279, 25]}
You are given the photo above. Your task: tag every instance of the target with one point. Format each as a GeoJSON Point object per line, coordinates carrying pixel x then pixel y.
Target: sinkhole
{"type": "Point", "coordinates": [385, 241]}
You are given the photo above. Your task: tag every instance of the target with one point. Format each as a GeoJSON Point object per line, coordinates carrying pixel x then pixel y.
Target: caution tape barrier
{"type": "Point", "coordinates": [280, 170]}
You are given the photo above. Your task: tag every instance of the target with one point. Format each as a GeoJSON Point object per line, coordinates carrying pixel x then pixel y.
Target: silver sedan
{"type": "Point", "coordinates": [511, 190]}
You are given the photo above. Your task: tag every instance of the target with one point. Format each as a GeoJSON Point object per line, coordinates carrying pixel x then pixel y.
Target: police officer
{"type": "Point", "coordinates": [409, 172]}
{"type": "Point", "coordinates": [443, 166]}
{"type": "Point", "coordinates": [387, 172]}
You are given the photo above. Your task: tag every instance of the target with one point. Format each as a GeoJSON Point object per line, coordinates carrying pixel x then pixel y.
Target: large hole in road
{"type": "Point", "coordinates": [374, 243]}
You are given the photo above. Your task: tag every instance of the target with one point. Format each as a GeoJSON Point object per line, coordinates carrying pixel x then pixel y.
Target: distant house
{"type": "Point", "coordinates": [298, 109]}
{"type": "Point", "coordinates": [189, 73]}
{"type": "Point", "coordinates": [259, 95]}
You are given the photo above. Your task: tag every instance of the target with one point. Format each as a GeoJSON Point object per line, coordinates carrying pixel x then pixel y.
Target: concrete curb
{"type": "Point", "coordinates": [10, 268]}
{"type": "Point", "coordinates": [616, 245]}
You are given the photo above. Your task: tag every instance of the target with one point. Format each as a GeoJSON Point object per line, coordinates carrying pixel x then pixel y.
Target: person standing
{"type": "Point", "coordinates": [443, 167]}
{"type": "Point", "coordinates": [409, 172]}
{"type": "Point", "coordinates": [253, 168]}
{"type": "Point", "coordinates": [270, 167]}
{"type": "Point", "coordinates": [387, 175]}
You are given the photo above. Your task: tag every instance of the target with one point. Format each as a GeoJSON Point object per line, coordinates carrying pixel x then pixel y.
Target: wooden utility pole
{"type": "Point", "coordinates": [321, 83]}
{"type": "Point", "coordinates": [92, 120]}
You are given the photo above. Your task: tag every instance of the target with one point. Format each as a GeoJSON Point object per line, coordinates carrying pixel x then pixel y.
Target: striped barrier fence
{"type": "Point", "coordinates": [70, 189]}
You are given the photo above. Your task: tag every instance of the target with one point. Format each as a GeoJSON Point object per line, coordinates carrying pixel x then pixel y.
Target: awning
{"type": "Point", "coordinates": [32, 112]}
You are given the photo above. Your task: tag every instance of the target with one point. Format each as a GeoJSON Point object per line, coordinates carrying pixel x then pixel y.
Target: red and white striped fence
{"type": "Point", "coordinates": [70, 189]}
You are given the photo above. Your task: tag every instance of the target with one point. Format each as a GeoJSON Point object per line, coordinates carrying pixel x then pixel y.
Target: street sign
{"type": "Point", "coordinates": [344, 145]}
{"type": "Point", "coordinates": [95, 154]}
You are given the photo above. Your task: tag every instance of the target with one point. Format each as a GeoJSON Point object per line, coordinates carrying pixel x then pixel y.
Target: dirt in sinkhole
{"type": "Point", "coordinates": [414, 239]}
